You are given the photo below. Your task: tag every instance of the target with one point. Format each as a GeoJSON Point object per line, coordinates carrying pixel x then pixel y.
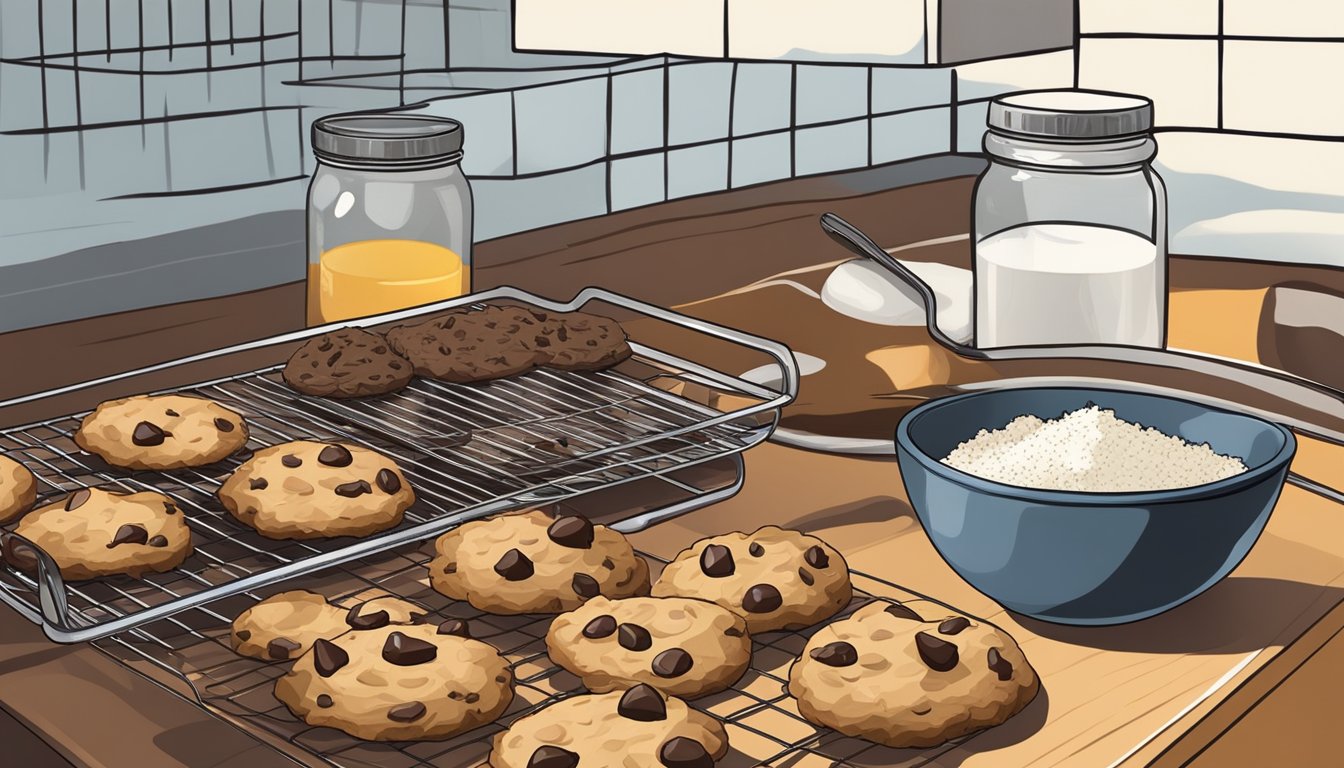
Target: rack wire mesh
{"type": "Point", "coordinates": [763, 722]}
{"type": "Point", "coordinates": [468, 450]}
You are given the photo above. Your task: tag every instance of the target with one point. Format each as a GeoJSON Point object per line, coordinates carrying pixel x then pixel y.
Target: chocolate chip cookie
{"type": "Point", "coordinates": [775, 579]}
{"type": "Point", "coordinates": [682, 647]}
{"type": "Point", "coordinates": [350, 362]}
{"type": "Point", "coordinates": [285, 626]}
{"type": "Point", "coordinates": [161, 432]}
{"type": "Point", "coordinates": [399, 683]}
{"type": "Point", "coordinates": [93, 532]}
{"type": "Point", "coordinates": [309, 490]}
{"type": "Point", "coordinates": [472, 345]}
{"type": "Point", "coordinates": [635, 727]}
{"type": "Point", "coordinates": [18, 489]}
{"type": "Point", "coordinates": [578, 341]}
{"type": "Point", "coordinates": [533, 563]}
{"type": "Point", "coordinates": [893, 676]}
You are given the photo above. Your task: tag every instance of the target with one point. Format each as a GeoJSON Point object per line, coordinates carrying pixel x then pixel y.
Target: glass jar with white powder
{"type": "Point", "coordinates": [1070, 235]}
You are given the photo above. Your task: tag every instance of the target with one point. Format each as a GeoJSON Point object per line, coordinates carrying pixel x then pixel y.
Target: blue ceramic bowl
{"type": "Point", "coordinates": [1090, 558]}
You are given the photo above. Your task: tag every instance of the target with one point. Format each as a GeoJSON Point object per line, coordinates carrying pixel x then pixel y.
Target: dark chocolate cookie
{"type": "Point", "coordinates": [584, 342]}
{"type": "Point", "coordinates": [350, 362]}
{"type": "Point", "coordinates": [473, 345]}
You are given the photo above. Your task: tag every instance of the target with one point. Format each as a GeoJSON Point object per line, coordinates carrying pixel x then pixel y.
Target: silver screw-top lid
{"type": "Point", "coordinates": [1071, 114]}
{"type": "Point", "coordinates": [383, 139]}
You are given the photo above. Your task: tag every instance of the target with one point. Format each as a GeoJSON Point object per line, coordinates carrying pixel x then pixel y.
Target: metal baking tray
{"type": "Point", "coordinates": [191, 655]}
{"type": "Point", "coordinates": [468, 450]}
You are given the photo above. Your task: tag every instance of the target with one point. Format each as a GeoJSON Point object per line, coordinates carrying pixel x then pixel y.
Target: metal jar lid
{"type": "Point", "coordinates": [1071, 114]}
{"type": "Point", "coordinates": [387, 139]}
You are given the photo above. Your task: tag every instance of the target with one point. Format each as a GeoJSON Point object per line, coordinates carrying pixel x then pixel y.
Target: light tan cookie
{"type": "Point", "coordinates": [93, 532]}
{"type": "Point", "coordinates": [773, 578]}
{"type": "Point", "coordinates": [638, 727]}
{"type": "Point", "coordinates": [285, 626]}
{"type": "Point", "coordinates": [308, 490]}
{"type": "Point", "coordinates": [399, 683]}
{"type": "Point", "coordinates": [161, 432]}
{"type": "Point", "coordinates": [533, 563]}
{"type": "Point", "coordinates": [887, 675]}
{"type": "Point", "coordinates": [682, 647]}
{"type": "Point", "coordinates": [18, 489]}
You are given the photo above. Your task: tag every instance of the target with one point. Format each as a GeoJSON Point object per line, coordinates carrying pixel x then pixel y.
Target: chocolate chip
{"type": "Point", "coordinates": [573, 531]}
{"type": "Point", "coordinates": [408, 651]}
{"type": "Point", "coordinates": [817, 557]}
{"type": "Point", "coordinates": [324, 701]}
{"type": "Point", "coordinates": [472, 698]}
{"type": "Point", "coordinates": [328, 657]}
{"type": "Point", "coordinates": [732, 632]}
{"type": "Point", "coordinates": [682, 752]}
{"type": "Point", "coordinates": [129, 534]}
{"type": "Point", "coordinates": [171, 412]}
{"type": "Point", "coordinates": [953, 625]}
{"type": "Point", "coordinates": [600, 627]}
{"type": "Point", "coordinates": [353, 489]}
{"type": "Point", "coordinates": [374, 620]}
{"type": "Point", "coordinates": [807, 578]}
{"type": "Point", "coordinates": [585, 586]}
{"type": "Point", "coordinates": [257, 484]}
{"type": "Point", "coordinates": [291, 461]}
{"type": "Point", "coordinates": [456, 627]}
{"type": "Point", "coordinates": [406, 713]}
{"type": "Point", "coordinates": [717, 561]}
{"type": "Point", "coordinates": [244, 634]}
{"type": "Point", "coordinates": [388, 481]}
{"type": "Point", "coordinates": [514, 566]}
{"type": "Point", "coordinates": [552, 757]}
{"type": "Point", "coordinates": [837, 654]}
{"type": "Point", "coordinates": [939, 654]}
{"type": "Point", "coordinates": [224, 425]}
{"type": "Point", "coordinates": [147, 434]}
{"type": "Point", "coordinates": [77, 499]}
{"type": "Point", "coordinates": [674, 662]}
{"type": "Point", "coordinates": [633, 637]}
{"type": "Point", "coordinates": [756, 550]}
{"type": "Point", "coordinates": [281, 648]}
{"type": "Point", "coordinates": [642, 703]}
{"type": "Point", "coordinates": [169, 508]}
{"type": "Point", "coordinates": [999, 664]}
{"type": "Point", "coordinates": [762, 598]}
{"type": "Point", "coordinates": [158, 541]}
{"type": "Point", "coordinates": [335, 456]}
{"type": "Point", "coordinates": [901, 612]}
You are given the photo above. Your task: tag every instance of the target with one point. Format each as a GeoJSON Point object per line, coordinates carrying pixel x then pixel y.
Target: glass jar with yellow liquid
{"type": "Point", "coordinates": [389, 215]}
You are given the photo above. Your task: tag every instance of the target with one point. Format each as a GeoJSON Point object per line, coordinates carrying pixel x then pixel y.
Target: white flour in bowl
{"type": "Point", "coordinates": [1089, 450]}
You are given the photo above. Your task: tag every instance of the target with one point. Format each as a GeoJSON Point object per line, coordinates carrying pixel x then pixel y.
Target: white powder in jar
{"type": "Point", "coordinates": [1089, 450]}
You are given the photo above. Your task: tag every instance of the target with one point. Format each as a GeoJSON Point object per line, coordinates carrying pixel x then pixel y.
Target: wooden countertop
{"type": "Point", "coordinates": [675, 254]}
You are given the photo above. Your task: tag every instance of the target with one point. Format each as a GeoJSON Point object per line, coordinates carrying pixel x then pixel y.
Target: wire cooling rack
{"type": "Point", "coordinates": [468, 450]}
{"type": "Point", "coordinates": [763, 723]}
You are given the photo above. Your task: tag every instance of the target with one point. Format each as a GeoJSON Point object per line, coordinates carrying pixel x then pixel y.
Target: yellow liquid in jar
{"type": "Point", "coordinates": [374, 276]}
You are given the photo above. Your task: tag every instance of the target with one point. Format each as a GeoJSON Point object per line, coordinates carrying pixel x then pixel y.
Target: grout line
{"type": "Point", "coordinates": [331, 31]}
{"type": "Point", "coordinates": [448, 35]}
{"type": "Point", "coordinates": [1206, 37]}
{"type": "Point", "coordinates": [732, 118]}
{"type": "Point", "coordinates": [953, 115]}
{"type": "Point", "coordinates": [1222, 39]}
{"type": "Point", "coordinates": [401, 62]}
{"type": "Point", "coordinates": [667, 103]}
{"type": "Point", "coordinates": [726, 48]}
{"type": "Point", "coordinates": [793, 120]}
{"type": "Point", "coordinates": [1077, 42]}
{"type": "Point", "coordinates": [869, 112]}
{"type": "Point", "coordinates": [607, 148]}
{"type": "Point", "coordinates": [513, 127]}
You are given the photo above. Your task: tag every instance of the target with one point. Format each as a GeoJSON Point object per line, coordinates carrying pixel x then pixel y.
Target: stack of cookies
{"type": "Point", "coordinates": [461, 347]}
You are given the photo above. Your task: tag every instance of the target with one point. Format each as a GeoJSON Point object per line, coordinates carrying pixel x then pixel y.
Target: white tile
{"type": "Point", "coordinates": [697, 170]}
{"type": "Point", "coordinates": [1272, 86]}
{"type": "Point", "coordinates": [1016, 73]}
{"type": "Point", "coordinates": [762, 98]}
{"type": "Point", "coordinates": [1186, 17]}
{"type": "Point", "coordinates": [910, 134]}
{"type": "Point", "coordinates": [636, 181]}
{"type": "Point", "coordinates": [637, 111]}
{"type": "Point", "coordinates": [196, 146]}
{"type": "Point", "coordinates": [691, 27]}
{"type": "Point", "coordinates": [827, 93]}
{"type": "Point", "coordinates": [699, 100]}
{"type": "Point", "coordinates": [761, 158]}
{"type": "Point", "coordinates": [506, 206]}
{"type": "Point", "coordinates": [561, 125]}
{"type": "Point", "coordinates": [487, 131]}
{"type": "Point", "coordinates": [862, 30]}
{"type": "Point", "coordinates": [1180, 76]}
{"type": "Point", "coordinates": [1284, 18]}
{"type": "Point", "coordinates": [831, 148]}
{"type": "Point", "coordinates": [909, 87]}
